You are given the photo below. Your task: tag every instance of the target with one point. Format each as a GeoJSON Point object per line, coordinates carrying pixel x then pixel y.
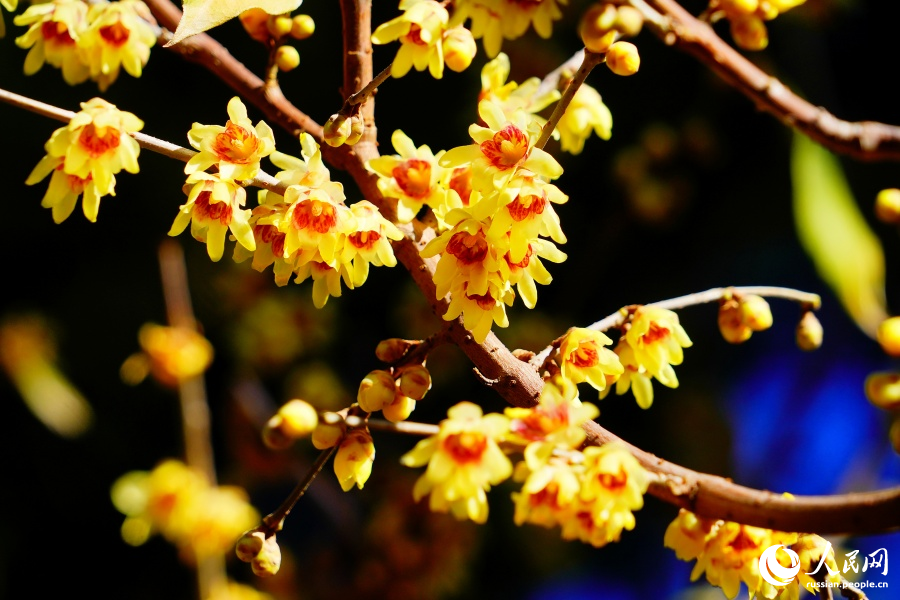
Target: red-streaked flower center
{"type": "Point", "coordinates": [522, 264]}
{"type": "Point", "coordinates": [96, 143]}
{"type": "Point", "coordinates": [484, 301]}
{"type": "Point", "coordinates": [541, 421]}
{"type": "Point", "coordinates": [319, 216]}
{"type": "Point", "coordinates": [364, 240]}
{"type": "Point", "coordinates": [461, 182]}
{"type": "Point", "coordinates": [525, 207]}
{"type": "Point", "coordinates": [585, 355]}
{"type": "Point", "coordinates": [214, 211]}
{"type": "Point", "coordinates": [465, 447]}
{"type": "Point", "coordinates": [115, 34]}
{"type": "Point", "coordinates": [55, 32]}
{"type": "Point", "coordinates": [614, 482]}
{"type": "Point", "coordinates": [414, 36]}
{"type": "Point", "coordinates": [507, 148]}
{"type": "Point", "coordinates": [655, 333]}
{"type": "Point", "coordinates": [236, 145]}
{"type": "Point", "coordinates": [467, 248]}
{"type": "Point", "coordinates": [414, 177]}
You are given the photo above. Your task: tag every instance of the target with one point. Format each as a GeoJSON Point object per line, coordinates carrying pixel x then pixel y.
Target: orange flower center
{"type": "Point", "coordinates": [319, 216]}
{"type": "Point", "coordinates": [522, 263]}
{"type": "Point", "coordinates": [465, 447]}
{"type": "Point", "coordinates": [585, 355]}
{"type": "Point", "coordinates": [236, 145]}
{"type": "Point", "coordinates": [743, 542]}
{"type": "Point", "coordinates": [55, 32]}
{"type": "Point", "coordinates": [467, 248]}
{"type": "Point", "coordinates": [484, 301]}
{"type": "Point", "coordinates": [654, 334]}
{"type": "Point", "coordinates": [525, 207]}
{"type": "Point", "coordinates": [414, 36]}
{"type": "Point", "coordinates": [549, 497]}
{"type": "Point", "coordinates": [96, 143]}
{"type": "Point", "coordinates": [461, 182]}
{"type": "Point", "coordinates": [269, 234]}
{"type": "Point", "coordinates": [215, 211]}
{"type": "Point", "coordinates": [414, 177]}
{"type": "Point", "coordinates": [507, 148]}
{"type": "Point", "coordinates": [541, 421]}
{"type": "Point", "coordinates": [115, 34]}
{"type": "Point", "coordinates": [614, 482]}
{"type": "Point", "coordinates": [364, 240]}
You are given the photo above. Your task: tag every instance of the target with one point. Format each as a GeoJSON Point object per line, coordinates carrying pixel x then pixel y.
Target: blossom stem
{"type": "Point", "coordinates": [369, 89]}
{"type": "Point", "coordinates": [590, 60]}
{"type": "Point", "coordinates": [273, 522]}
{"type": "Point", "coordinates": [409, 427]}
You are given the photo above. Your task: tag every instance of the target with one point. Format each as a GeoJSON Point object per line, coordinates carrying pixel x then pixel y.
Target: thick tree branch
{"type": "Point", "coordinates": [864, 140]}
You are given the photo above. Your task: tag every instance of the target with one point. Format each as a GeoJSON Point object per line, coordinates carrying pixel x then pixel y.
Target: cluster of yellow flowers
{"type": "Point", "coordinates": [308, 232]}
{"type": "Point", "coordinates": [652, 343]}
{"type": "Point", "coordinates": [202, 520]}
{"type": "Point", "coordinates": [85, 156]}
{"type": "Point", "coordinates": [88, 39]}
{"type": "Point", "coordinates": [747, 18]}
{"type": "Point", "coordinates": [590, 494]}
{"type": "Point", "coordinates": [729, 553]}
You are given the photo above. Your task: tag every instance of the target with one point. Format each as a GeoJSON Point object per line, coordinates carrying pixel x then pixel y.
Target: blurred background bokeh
{"type": "Point", "coordinates": [693, 191]}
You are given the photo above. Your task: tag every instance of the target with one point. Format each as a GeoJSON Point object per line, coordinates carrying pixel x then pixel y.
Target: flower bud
{"type": "Point", "coordinates": [629, 20]}
{"type": "Point", "coordinates": [279, 25]}
{"type": "Point", "coordinates": [399, 409]}
{"type": "Point", "coordinates": [357, 129]}
{"type": "Point", "coordinates": [459, 48]}
{"type": "Point", "coordinates": [750, 33]}
{"type": "Point", "coordinates": [354, 458]}
{"type": "Point", "coordinates": [287, 58]}
{"type": "Point", "coordinates": [756, 312]}
{"type": "Point", "coordinates": [887, 206]}
{"type": "Point", "coordinates": [250, 544]}
{"type": "Point", "coordinates": [731, 322]}
{"type": "Point", "coordinates": [255, 22]}
{"type": "Point", "coordinates": [622, 58]}
{"type": "Point", "coordinates": [336, 130]}
{"type": "Point", "coordinates": [889, 336]}
{"type": "Point", "coordinates": [809, 332]}
{"type": "Point", "coordinates": [326, 435]}
{"type": "Point", "coordinates": [393, 349]}
{"type": "Point", "coordinates": [268, 561]}
{"type": "Point", "coordinates": [375, 390]}
{"type": "Point", "coordinates": [596, 27]}
{"type": "Point", "coordinates": [415, 381]}
{"type": "Point", "coordinates": [302, 27]}
{"type": "Point", "coordinates": [300, 418]}
{"type": "Point", "coordinates": [883, 390]}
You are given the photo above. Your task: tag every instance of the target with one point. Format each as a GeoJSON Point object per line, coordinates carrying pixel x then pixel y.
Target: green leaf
{"type": "Point", "coordinates": [847, 254]}
{"type": "Point", "coordinates": [201, 15]}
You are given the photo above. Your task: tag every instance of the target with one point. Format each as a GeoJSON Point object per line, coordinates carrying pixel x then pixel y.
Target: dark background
{"type": "Point", "coordinates": [712, 208]}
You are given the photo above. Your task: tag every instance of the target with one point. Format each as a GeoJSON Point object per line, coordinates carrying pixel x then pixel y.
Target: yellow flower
{"type": "Point", "coordinates": [657, 339]}
{"type": "Point", "coordinates": [613, 485]}
{"type": "Point", "coordinates": [326, 280]}
{"type": "Point", "coordinates": [269, 246]}
{"type": "Point", "coordinates": [530, 270]}
{"type": "Point", "coordinates": [463, 460]}
{"type": "Point", "coordinates": [354, 458]}
{"type": "Point", "coordinates": [235, 149]}
{"type": "Point", "coordinates": [420, 30]}
{"type": "Point", "coordinates": [52, 36]}
{"type": "Point", "coordinates": [583, 358]}
{"type": "Point", "coordinates": [413, 177]}
{"type": "Point", "coordinates": [467, 256]}
{"type": "Point", "coordinates": [214, 207]}
{"type": "Point", "coordinates": [120, 35]}
{"type": "Point", "coordinates": [550, 488]}
{"type": "Point", "coordinates": [634, 377]}
{"type": "Point", "coordinates": [687, 534]}
{"type": "Point", "coordinates": [64, 190]}
{"type": "Point", "coordinates": [557, 419]}
{"type": "Point", "coordinates": [309, 171]}
{"type": "Point", "coordinates": [315, 225]}
{"type": "Point", "coordinates": [810, 548]}
{"type": "Point", "coordinates": [93, 147]}
{"type": "Point", "coordinates": [586, 113]}
{"type": "Point", "coordinates": [175, 353]}
{"type": "Point", "coordinates": [370, 243]}
{"type": "Point", "coordinates": [497, 19]}
{"type": "Point", "coordinates": [512, 96]}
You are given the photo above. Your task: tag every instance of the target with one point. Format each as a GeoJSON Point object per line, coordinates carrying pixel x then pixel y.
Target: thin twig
{"type": "Point", "coordinates": [589, 61]}
{"type": "Point", "coordinates": [370, 88]}
{"type": "Point", "coordinates": [409, 427]}
{"type": "Point", "coordinates": [274, 521]}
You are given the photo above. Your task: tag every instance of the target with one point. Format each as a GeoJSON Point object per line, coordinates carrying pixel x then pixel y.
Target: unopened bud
{"type": "Point", "coordinates": [255, 22]}
{"type": "Point", "coordinates": [354, 458]}
{"type": "Point", "coordinates": [622, 58]}
{"type": "Point", "coordinates": [287, 58]}
{"type": "Point", "coordinates": [357, 129]}
{"type": "Point", "coordinates": [415, 381]}
{"type": "Point", "coordinates": [883, 390]}
{"type": "Point", "coordinates": [756, 312]}
{"type": "Point", "coordinates": [459, 48]}
{"type": "Point", "coordinates": [375, 390]}
{"type": "Point", "coordinates": [629, 20]}
{"type": "Point", "coordinates": [336, 130]}
{"type": "Point", "coordinates": [279, 26]}
{"type": "Point", "coordinates": [731, 322]}
{"type": "Point", "coordinates": [889, 336]}
{"type": "Point", "coordinates": [399, 409]}
{"type": "Point", "coordinates": [326, 435]}
{"type": "Point", "coordinates": [887, 206]}
{"type": "Point", "coordinates": [250, 544]}
{"type": "Point", "coordinates": [302, 27]}
{"type": "Point", "coordinates": [750, 33]}
{"type": "Point", "coordinates": [300, 418]}
{"type": "Point", "coordinates": [809, 332]}
{"type": "Point", "coordinates": [596, 27]}
{"type": "Point", "coordinates": [393, 349]}
{"type": "Point", "coordinates": [268, 561]}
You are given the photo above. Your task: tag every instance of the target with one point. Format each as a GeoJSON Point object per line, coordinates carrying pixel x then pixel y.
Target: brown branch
{"type": "Point", "coordinates": [864, 140]}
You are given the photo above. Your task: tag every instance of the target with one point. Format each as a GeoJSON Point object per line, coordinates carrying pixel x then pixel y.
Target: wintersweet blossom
{"type": "Point", "coordinates": [494, 20]}
{"type": "Point", "coordinates": [635, 377]}
{"type": "Point", "coordinates": [269, 244]}
{"type": "Point", "coordinates": [584, 114]}
{"type": "Point", "coordinates": [93, 147]}
{"type": "Point", "coordinates": [120, 35]}
{"type": "Point", "coordinates": [613, 485]}
{"type": "Point", "coordinates": [354, 458]}
{"type": "Point", "coordinates": [557, 419]}
{"type": "Point", "coordinates": [530, 270]}
{"type": "Point", "coordinates": [657, 339]}
{"type": "Point", "coordinates": [512, 96]}
{"type": "Point", "coordinates": [420, 30]}
{"type": "Point", "coordinates": [235, 149]}
{"type": "Point", "coordinates": [463, 460]}
{"type": "Point", "coordinates": [54, 28]}
{"type": "Point", "coordinates": [215, 206]}
{"type": "Point", "coordinates": [550, 489]}
{"type": "Point", "coordinates": [583, 358]}
{"type": "Point", "coordinates": [370, 243]}
{"type": "Point", "coordinates": [314, 224]}
{"type": "Point", "coordinates": [326, 280]}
